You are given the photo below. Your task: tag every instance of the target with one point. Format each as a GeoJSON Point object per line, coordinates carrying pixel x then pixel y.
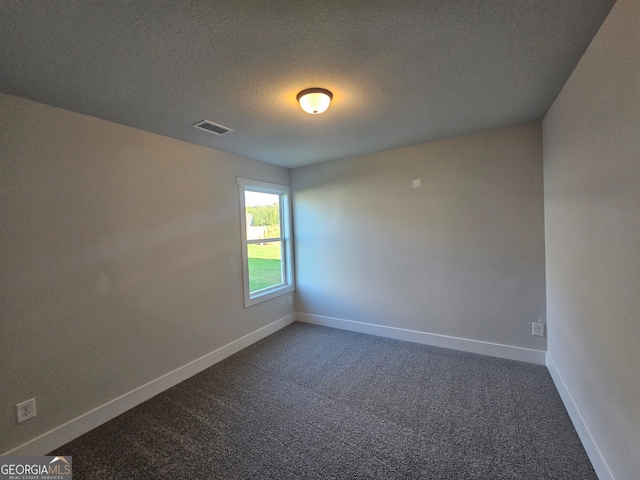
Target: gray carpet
{"type": "Point", "coordinates": [316, 403]}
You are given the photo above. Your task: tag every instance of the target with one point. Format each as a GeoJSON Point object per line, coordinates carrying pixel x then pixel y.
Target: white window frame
{"type": "Point", "coordinates": [288, 284]}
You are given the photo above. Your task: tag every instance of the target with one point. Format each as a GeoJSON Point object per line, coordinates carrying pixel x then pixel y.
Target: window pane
{"type": "Point", "coordinates": [262, 215]}
{"type": "Point", "coordinates": [265, 265]}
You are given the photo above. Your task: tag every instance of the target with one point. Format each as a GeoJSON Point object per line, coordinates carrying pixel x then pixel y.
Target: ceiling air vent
{"type": "Point", "coordinates": [211, 127]}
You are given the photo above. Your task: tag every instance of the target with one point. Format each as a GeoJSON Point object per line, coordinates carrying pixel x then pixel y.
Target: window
{"type": "Point", "coordinates": [266, 240]}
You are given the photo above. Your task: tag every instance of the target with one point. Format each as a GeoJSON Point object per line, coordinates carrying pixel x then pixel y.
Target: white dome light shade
{"type": "Point", "coordinates": [314, 100]}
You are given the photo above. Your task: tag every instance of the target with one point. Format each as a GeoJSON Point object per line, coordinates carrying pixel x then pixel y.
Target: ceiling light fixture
{"type": "Point", "coordinates": [314, 100]}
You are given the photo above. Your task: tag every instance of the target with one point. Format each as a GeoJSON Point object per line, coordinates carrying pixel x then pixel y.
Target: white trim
{"type": "Point", "coordinates": [267, 187]}
{"type": "Point", "coordinates": [96, 417]}
{"type": "Point", "coordinates": [464, 344]}
{"type": "Point", "coordinates": [589, 443]}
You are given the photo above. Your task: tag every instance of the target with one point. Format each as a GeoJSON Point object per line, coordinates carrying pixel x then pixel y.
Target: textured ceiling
{"type": "Point", "coordinates": [402, 72]}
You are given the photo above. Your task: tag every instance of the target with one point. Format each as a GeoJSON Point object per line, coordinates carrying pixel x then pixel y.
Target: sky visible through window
{"type": "Point", "coordinates": [257, 199]}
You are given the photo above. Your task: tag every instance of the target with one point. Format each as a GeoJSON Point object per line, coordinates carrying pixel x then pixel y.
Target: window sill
{"type": "Point", "coordinates": [268, 295]}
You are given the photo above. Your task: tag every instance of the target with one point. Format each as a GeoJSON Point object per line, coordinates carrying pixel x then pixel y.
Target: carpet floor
{"type": "Point", "coordinates": [311, 402]}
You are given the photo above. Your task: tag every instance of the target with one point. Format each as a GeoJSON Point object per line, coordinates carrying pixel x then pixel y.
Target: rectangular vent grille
{"type": "Point", "coordinates": [211, 127]}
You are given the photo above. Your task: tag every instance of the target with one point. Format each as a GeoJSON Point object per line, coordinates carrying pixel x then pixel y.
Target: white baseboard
{"type": "Point", "coordinates": [96, 417]}
{"type": "Point", "coordinates": [597, 460]}
{"type": "Point", "coordinates": [456, 343]}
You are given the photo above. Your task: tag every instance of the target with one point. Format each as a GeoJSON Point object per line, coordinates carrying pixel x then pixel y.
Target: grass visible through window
{"type": "Point", "coordinates": [265, 265]}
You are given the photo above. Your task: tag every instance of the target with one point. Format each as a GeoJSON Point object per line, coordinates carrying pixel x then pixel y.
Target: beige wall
{"type": "Point", "coordinates": [592, 210]}
{"type": "Point", "coordinates": [120, 260]}
{"type": "Point", "coordinates": [462, 255]}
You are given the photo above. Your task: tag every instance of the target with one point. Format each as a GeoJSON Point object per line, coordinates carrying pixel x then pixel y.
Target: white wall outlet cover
{"type": "Point", "coordinates": [416, 183]}
{"type": "Point", "coordinates": [537, 329]}
{"type": "Point", "coordinates": [26, 410]}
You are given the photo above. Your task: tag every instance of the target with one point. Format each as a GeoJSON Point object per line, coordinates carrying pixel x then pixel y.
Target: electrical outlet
{"type": "Point", "coordinates": [26, 410]}
{"type": "Point", "coordinates": [537, 329]}
{"type": "Point", "coordinates": [290, 299]}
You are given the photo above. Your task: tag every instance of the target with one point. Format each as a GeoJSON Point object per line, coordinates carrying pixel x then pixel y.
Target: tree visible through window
{"type": "Point", "coordinates": [264, 243]}
{"type": "Point", "coordinates": [266, 240]}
